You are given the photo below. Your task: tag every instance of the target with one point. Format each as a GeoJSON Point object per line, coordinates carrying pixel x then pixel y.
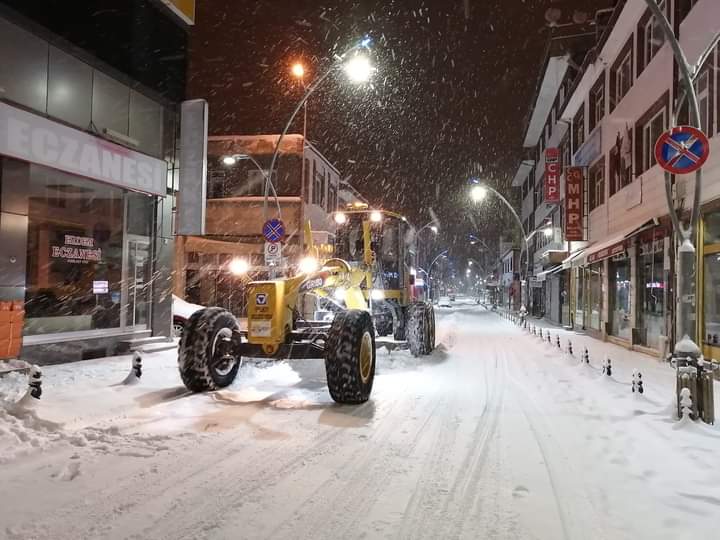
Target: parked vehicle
{"type": "Point", "coordinates": [445, 301]}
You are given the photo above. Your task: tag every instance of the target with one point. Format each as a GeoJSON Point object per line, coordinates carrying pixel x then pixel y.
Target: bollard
{"type": "Point", "coordinates": [586, 356]}
{"type": "Point", "coordinates": [549, 341]}
{"type": "Point", "coordinates": [686, 403]}
{"type": "Point", "coordinates": [557, 340]}
{"type": "Point", "coordinates": [35, 382]}
{"type": "Point", "coordinates": [137, 364]}
{"type": "Point", "coordinates": [569, 349]}
{"type": "Point", "coordinates": [637, 382]}
{"type": "Point", "coordinates": [607, 367]}
{"type": "Point", "coordinates": [540, 334]}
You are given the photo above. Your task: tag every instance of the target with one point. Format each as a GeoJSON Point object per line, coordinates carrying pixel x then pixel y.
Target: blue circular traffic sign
{"type": "Point", "coordinates": [274, 230]}
{"type": "Point", "coordinates": [682, 150]}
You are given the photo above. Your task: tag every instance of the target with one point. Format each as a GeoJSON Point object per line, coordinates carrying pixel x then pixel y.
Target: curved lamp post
{"type": "Point", "coordinates": [358, 69]}
{"type": "Point", "coordinates": [478, 194]}
{"type": "Point", "coordinates": [429, 270]}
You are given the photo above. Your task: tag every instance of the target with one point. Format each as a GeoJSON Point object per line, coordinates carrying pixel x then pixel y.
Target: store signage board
{"type": "Point", "coordinates": [274, 230]}
{"type": "Point", "coordinates": [682, 150]}
{"type": "Point", "coordinates": [574, 229]}
{"type": "Point", "coordinates": [101, 287]}
{"type": "Point", "coordinates": [35, 139]}
{"type": "Point", "coordinates": [76, 250]}
{"type": "Point", "coordinates": [607, 252]}
{"type": "Point", "coordinates": [273, 253]}
{"type": "Point", "coordinates": [552, 176]}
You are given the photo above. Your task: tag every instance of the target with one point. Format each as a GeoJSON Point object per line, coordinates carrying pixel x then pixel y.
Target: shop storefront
{"type": "Point", "coordinates": [80, 222]}
{"type": "Point", "coordinates": [709, 284]}
{"type": "Point", "coordinates": [620, 296]}
{"type": "Point", "coordinates": [652, 289]}
{"type": "Point", "coordinates": [595, 281]}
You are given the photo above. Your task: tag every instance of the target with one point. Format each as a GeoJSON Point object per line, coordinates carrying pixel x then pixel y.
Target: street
{"type": "Point", "coordinates": [495, 435]}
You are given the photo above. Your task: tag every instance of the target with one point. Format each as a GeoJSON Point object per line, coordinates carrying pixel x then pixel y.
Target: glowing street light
{"type": "Point", "coordinates": [298, 70]}
{"type": "Point", "coordinates": [478, 193]}
{"type": "Point", "coordinates": [359, 69]}
{"type": "Point", "coordinates": [239, 266]}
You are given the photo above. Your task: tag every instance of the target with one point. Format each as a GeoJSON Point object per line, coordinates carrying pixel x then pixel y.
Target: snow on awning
{"type": "Point", "coordinates": [609, 247]}
{"type": "Point", "coordinates": [545, 273]}
{"type": "Point", "coordinates": [554, 73]}
{"type": "Point", "coordinates": [576, 257]}
{"type": "Point", "coordinates": [523, 171]}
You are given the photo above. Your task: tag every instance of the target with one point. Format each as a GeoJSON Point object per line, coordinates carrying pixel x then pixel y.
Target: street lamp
{"type": "Point", "coordinates": [298, 71]}
{"type": "Point", "coordinates": [477, 194]}
{"type": "Point", "coordinates": [430, 267]}
{"type": "Point", "coordinates": [358, 70]}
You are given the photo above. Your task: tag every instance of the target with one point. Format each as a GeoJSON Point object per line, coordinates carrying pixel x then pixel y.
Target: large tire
{"type": "Point", "coordinates": [400, 323]}
{"type": "Point", "coordinates": [350, 357]}
{"type": "Point", "coordinates": [430, 314]}
{"type": "Point", "coordinates": [206, 358]}
{"type": "Point", "coordinates": [416, 329]}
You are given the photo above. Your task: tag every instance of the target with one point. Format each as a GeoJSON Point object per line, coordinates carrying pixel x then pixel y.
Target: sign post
{"type": "Point", "coordinates": [273, 253]}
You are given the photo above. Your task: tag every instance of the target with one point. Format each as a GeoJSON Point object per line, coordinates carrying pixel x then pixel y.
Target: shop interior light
{"type": "Point", "coordinates": [375, 216]}
{"type": "Point", "coordinates": [340, 218]}
{"type": "Point", "coordinates": [548, 232]}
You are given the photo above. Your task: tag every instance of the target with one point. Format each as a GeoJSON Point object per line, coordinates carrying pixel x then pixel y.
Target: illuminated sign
{"type": "Point", "coordinates": [574, 204]}
{"type": "Point", "coordinates": [77, 250]}
{"type": "Point", "coordinates": [552, 175]}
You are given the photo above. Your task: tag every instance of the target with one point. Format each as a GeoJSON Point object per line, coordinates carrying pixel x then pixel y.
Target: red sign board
{"type": "Point", "coordinates": [611, 251]}
{"type": "Point", "coordinates": [574, 214]}
{"type": "Point", "coordinates": [552, 175]}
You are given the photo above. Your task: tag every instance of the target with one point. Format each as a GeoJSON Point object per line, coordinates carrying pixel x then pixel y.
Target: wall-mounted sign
{"type": "Point", "coordinates": [574, 229]}
{"type": "Point", "coordinates": [32, 138]}
{"type": "Point", "coordinates": [77, 250]}
{"type": "Point", "coordinates": [611, 251]}
{"type": "Point", "coordinates": [101, 287]}
{"type": "Point", "coordinates": [552, 176]}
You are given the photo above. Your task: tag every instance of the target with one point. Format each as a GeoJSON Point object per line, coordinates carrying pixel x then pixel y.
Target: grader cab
{"type": "Point", "coordinates": [370, 288]}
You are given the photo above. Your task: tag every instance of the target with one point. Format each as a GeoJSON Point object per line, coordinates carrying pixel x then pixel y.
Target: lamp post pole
{"type": "Point", "coordinates": [429, 271]}
{"type": "Point", "coordinates": [522, 232]}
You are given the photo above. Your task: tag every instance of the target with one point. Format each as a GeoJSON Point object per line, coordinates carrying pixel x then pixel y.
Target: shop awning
{"type": "Point", "coordinates": [612, 246]}
{"type": "Point", "coordinates": [574, 259]}
{"type": "Point", "coordinates": [545, 273]}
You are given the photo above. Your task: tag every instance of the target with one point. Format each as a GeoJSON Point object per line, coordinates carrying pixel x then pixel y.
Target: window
{"type": "Point", "coordinates": [651, 37]}
{"type": "Point", "coordinates": [597, 102]}
{"type": "Point", "coordinates": [621, 161]}
{"type": "Point", "coordinates": [651, 131]}
{"type": "Point", "coordinates": [579, 128]}
{"type": "Point", "coordinates": [623, 77]}
{"type": "Point", "coordinates": [596, 188]}
{"type": "Point", "coordinates": [332, 198]}
{"type": "Point", "coordinates": [308, 176]}
{"type": "Point", "coordinates": [702, 88]}
{"type": "Point", "coordinates": [317, 187]}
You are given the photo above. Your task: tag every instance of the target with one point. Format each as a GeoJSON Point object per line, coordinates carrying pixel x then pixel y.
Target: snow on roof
{"type": "Point", "coordinates": [553, 78]}
{"type": "Point", "coordinates": [255, 144]}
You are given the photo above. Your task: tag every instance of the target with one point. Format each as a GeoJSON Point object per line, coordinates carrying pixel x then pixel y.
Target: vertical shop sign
{"type": "Point", "coordinates": [574, 181]}
{"type": "Point", "coordinates": [552, 175]}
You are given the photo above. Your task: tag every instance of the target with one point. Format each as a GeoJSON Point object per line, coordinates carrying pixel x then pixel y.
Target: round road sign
{"type": "Point", "coordinates": [682, 150]}
{"type": "Point", "coordinates": [274, 230]}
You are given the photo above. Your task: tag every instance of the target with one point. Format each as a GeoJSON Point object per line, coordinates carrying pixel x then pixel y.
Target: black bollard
{"type": "Point", "coordinates": [570, 351]}
{"type": "Point", "coordinates": [137, 364]}
{"type": "Point", "coordinates": [35, 382]}
{"type": "Point", "coordinates": [557, 340]}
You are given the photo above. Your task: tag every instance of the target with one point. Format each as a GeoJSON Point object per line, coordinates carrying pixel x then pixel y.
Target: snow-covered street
{"type": "Point", "coordinates": [496, 435]}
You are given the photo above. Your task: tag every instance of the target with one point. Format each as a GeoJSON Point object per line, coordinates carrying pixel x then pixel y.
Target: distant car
{"type": "Point", "coordinates": [182, 311]}
{"type": "Point", "coordinates": [445, 301]}
{"type": "Point", "coordinates": [452, 297]}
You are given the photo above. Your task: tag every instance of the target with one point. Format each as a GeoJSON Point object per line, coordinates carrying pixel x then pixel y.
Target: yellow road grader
{"type": "Point", "coordinates": [370, 288]}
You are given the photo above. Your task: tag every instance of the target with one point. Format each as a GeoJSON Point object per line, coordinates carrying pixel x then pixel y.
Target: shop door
{"type": "Point", "coordinates": [138, 282]}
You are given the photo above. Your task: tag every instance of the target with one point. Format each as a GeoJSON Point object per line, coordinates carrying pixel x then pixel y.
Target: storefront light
{"type": "Point", "coordinates": [239, 266]}
{"type": "Point", "coordinates": [229, 160]}
{"type": "Point", "coordinates": [340, 218]}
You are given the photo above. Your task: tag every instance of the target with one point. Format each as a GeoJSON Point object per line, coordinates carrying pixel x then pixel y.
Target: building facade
{"type": "Point", "coordinates": [308, 190]}
{"type": "Point", "coordinates": [617, 283]}
{"type": "Point", "coordinates": [87, 165]}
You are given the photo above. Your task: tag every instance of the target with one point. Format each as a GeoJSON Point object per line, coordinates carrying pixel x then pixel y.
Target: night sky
{"type": "Point", "coordinates": [449, 99]}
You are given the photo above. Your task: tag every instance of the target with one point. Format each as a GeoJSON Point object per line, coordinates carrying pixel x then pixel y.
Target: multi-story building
{"type": "Point", "coordinates": [308, 188]}
{"type": "Point", "coordinates": [605, 118]}
{"type": "Point", "coordinates": [87, 156]}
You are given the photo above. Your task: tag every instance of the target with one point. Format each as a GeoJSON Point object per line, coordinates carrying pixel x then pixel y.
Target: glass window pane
{"type": "Point", "coordinates": [712, 228]}
{"type": "Point", "coordinates": [146, 123]}
{"type": "Point", "coordinates": [712, 299]}
{"type": "Point", "coordinates": [110, 104]}
{"type": "Point", "coordinates": [23, 67]}
{"type": "Point", "coordinates": [74, 263]}
{"type": "Point", "coordinates": [69, 89]}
